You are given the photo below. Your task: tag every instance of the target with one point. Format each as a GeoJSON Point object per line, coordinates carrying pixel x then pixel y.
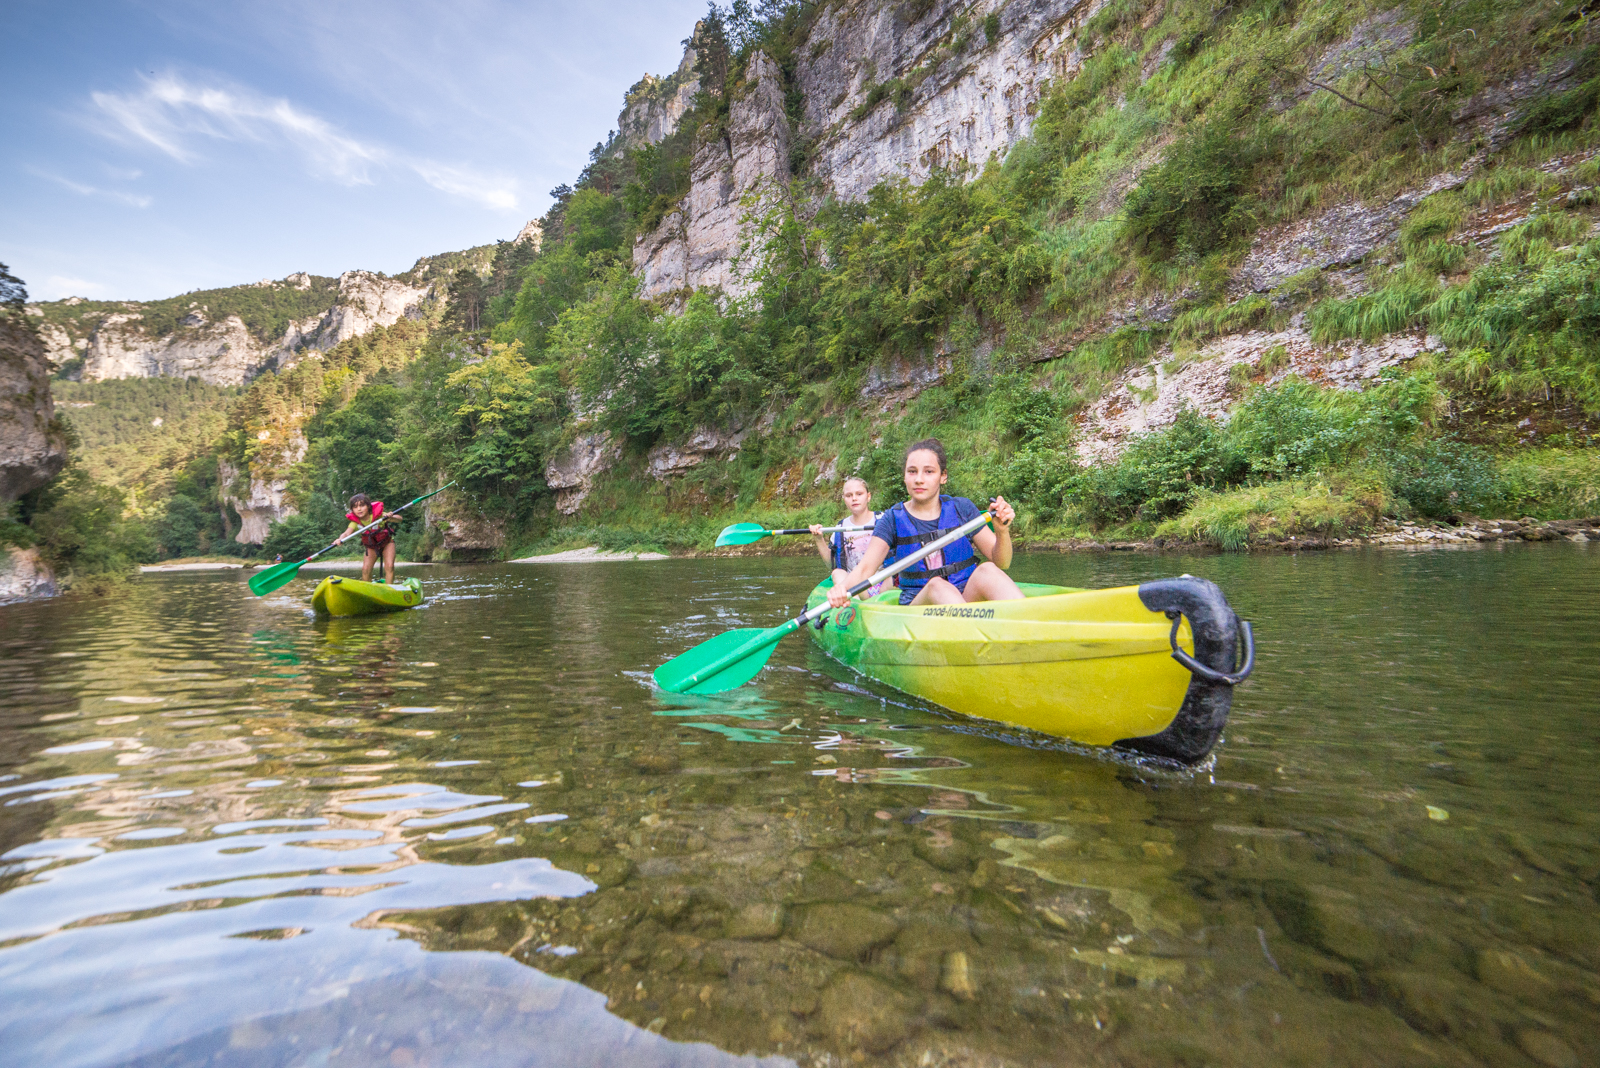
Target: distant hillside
{"type": "Point", "coordinates": [229, 335]}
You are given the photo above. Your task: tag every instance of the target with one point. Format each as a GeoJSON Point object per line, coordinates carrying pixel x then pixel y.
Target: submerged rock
{"type": "Point", "coordinates": [865, 1013]}
{"type": "Point", "coordinates": [955, 976]}
{"type": "Point", "coordinates": [843, 931]}
{"type": "Point", "coordinates": [756, 922]}
{"type": "Point", "coordinates": [1546, 1048]}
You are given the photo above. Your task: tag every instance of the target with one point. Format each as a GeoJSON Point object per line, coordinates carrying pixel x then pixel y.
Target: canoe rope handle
{"type": "Point", "coordinates": [1212, 674]}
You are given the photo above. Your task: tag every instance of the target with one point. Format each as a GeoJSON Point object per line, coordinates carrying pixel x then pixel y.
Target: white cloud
{"type": "Point", "coordinates": [137, 200]}
{"type": "Point", "coordinates": [172, 115]}
{"type": "Point", "coordinates": [492, 191]}
{"type": "Point", "coordinates": [58, 286]}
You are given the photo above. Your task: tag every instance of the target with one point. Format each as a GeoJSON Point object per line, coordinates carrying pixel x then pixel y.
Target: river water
{"type": "Point", "coordinates": [473, 834]}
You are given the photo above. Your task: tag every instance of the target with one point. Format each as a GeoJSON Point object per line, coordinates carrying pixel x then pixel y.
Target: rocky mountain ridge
{"type": "Point", "coordinates": [228, 336]}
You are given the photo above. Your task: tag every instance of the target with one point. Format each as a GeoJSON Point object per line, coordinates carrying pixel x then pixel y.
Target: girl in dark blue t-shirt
{"type": "Point", "coordinates": [952, 575]}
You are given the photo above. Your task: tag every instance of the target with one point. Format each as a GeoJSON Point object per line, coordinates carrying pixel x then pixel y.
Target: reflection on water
{"type": "Point", "coordinates": [473, 834]}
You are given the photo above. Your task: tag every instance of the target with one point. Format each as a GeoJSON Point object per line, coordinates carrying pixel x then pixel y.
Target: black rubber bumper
{"type": "Point", "coordinates": [1217, 637]}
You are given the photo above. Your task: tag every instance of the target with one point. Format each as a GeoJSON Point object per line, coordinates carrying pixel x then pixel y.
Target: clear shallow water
{"type": "Point", "coordinates": [472, 834]}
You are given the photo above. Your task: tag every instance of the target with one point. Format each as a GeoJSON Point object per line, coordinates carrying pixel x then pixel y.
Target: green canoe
{"type": "Point", "coordinates": [336, 596]}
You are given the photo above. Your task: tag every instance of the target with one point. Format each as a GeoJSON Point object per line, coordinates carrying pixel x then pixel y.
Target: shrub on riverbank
{"type": "Point", "coordinates": [1550, 483]}
{"type": "Point", "coordinates": [82, 530]}
{"type": "Point", "coordinates": [1275, 511]}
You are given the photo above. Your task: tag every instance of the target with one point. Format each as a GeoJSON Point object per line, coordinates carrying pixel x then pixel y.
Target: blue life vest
{"type": "Point", "coordinates": [959, 560]}
{"type": "Point", "coordinates": [838, 550]}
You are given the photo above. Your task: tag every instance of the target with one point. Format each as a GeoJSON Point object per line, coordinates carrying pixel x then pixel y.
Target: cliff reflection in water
{"type": "Point", "coordinates": [474, 834]}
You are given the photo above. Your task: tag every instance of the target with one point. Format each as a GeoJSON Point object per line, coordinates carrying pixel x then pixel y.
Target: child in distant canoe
{"type": "Point", "coordinates": [953, 575]}
{"type": "Point", "coordinates": [379, 541]}
{"type": "Point", "coordinates": [844, 550]}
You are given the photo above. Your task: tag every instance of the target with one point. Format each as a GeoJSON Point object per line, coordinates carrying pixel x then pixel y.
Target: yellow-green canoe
{"type": "Point", "coordinates": [1095, 666]}
{"type": "Point", "coordinates": [336, 596]}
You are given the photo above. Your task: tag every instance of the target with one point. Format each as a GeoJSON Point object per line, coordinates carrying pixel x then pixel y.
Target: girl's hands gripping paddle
{"type": "Point", "coordinates": [748, 533]}
{"type": "Point", "coordinates": [732, 658]}
{"type": "Point", "coordinates": [264, 582]}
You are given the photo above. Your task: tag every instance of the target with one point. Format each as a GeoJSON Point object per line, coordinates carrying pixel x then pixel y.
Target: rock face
{"type": "Point", "coordinates": [883, 98]}
{"type": "Point", "coordinates": [1148, 398]}
{"type": "Point", "coordinates": [962, 98]}
{"type": "Point", "coordinates": [572, 474]}
{"type": "Point", "coordinates": [33, 446]}
{"type": "Point", "coordinates": [262, 501]}
{"type": "Point", "coordinates": [1342, 235]}
{"type": "Point", "coordinates": [224, 352]}
{"type": "Point", "coordinates": [25, 577]}
{"type": "Point", "coordinates": [533, 231]}
{"type": "Point", "coordinates": [667, 461]}
{"type": "Point", "coordinates": [693, 248]}
{"type": "Point", "coordinates": [468, 535]}
{"type": "Point", "coordinates": [654, 105]}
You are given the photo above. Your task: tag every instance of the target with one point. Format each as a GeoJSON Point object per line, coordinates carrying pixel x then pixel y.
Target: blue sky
{"type": "Point", "coordinates": [153, 148]}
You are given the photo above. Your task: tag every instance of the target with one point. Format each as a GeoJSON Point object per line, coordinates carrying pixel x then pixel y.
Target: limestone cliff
{"type": "Point", "coordinates": [654, 105]}
{"type": "Point", "coordinates": [885, 98]}
{"type": "Point", "coordinates": [257, 490]}
{"type": "Point", "coordinates": [224, 351]}
{"type": "Point", "coordinates": [882, 98]}
{"type": "Point", "coordinates": [695, 245]}
{"type": "Point", "coordinates": [33, 445]}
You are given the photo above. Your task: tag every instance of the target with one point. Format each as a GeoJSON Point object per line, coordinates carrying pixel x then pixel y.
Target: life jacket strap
{"type": "Point", "coordinates": [947, 569]}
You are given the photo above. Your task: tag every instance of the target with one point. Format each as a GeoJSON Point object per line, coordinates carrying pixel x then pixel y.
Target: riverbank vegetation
{"type": "Point", "coordinates": [1188, 133]}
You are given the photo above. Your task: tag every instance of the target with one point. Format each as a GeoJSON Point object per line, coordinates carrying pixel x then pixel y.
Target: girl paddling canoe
{"type": "Point", "coordinates": [845, 550]}
{"type": "Point", "coordinates": [953, 575]}
{"type": "Point", "coordinates": [377, 541]}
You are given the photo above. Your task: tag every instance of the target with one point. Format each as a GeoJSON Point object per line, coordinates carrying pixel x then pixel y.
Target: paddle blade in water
{"type": "Point", "coordinates": [264, 582]}
{"type": "Point", "coordinates": [672, 675]}
{"type": "Point", "coordinates": [741, 534]}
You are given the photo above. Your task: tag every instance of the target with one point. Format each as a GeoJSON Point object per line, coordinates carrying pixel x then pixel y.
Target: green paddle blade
{"type": "Point", "coordinates": [674, 675]}
{"type": "Point", "coordinates": [264, 582]}
{"type": "Point", "coordinates": [742, 534]}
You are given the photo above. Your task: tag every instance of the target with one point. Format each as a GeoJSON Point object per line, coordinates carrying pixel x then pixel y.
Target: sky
{"type": "Point", "coordinates": [151, 148]}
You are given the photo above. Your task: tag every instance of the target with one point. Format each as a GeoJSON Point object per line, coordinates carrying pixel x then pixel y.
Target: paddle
{"type": "Point", "coordinates": [747, 533]}
{"type": "Point", "coordinates": [264, 582]}
{"type": "Point", "coordinates": [732, 658]}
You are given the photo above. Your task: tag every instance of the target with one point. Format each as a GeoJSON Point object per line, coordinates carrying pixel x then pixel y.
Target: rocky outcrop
{"type": "Point", "coordinates": [897, 380]}
{"type": "Point", "coordinates": [33, 445]}
{"type": "Point", "coordinates": [1341, 236]}
{"type": "Point", "coordinates": [1150, 397]}
{"type": "Point", "coordinates": [469, 538]}
{"type": "Point", "coordinates": [225, 352]}
{"type": "Point", "coordinates": [59, 347]}
{"type": "Point", "coordinates": [654, 105]}
{"type": "Point", "coordinates": [883, 98]}
{"type": "Point", "coordinates": [532, 231]}
{"type": "Point", "coordinates": [24, 576]}
{"type": "Point", "coordinates": [665, 462]}
{"type": "Point", "coordinates": [259, 494]}
{"type": "Point", "coordinates": [886, 99]}
{"type": "Point", "coordinates": [467, 535]}
{"type": "Point", "coordinates": [694, 246]}
{"type": "Point", "coordinates": [572, 473]}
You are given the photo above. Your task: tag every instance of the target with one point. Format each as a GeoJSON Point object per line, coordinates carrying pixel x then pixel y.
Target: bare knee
{"type": "Point", "coordinates": [938, 591]}
{"type": "Point", "coordinates": [989, 583]}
